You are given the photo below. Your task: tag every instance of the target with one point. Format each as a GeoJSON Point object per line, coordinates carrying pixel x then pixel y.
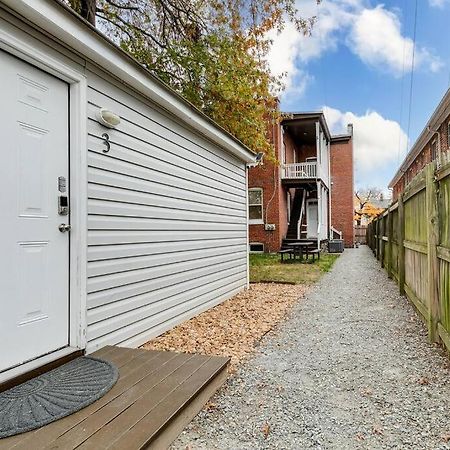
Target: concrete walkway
{"type": "Point", "coordinates": [351, 369]}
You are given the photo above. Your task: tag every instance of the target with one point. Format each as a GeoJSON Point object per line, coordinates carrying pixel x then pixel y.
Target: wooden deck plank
{"type": "Point", "coordinates": [131, 372]}
{"type": "Point", "coordinates": [156, 395]}
{"type": "Point", "coordinates": [102, 419]}
{"type": "Point", "coordinates": [143, 432]}
{"type": "Point", "coordinates": [140, 406]}
{"type": "Point", "coordinates": [174, 427]}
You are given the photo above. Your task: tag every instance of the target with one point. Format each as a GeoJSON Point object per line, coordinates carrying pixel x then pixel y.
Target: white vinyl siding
{"type": "Point", "coordinates": [166, 221]}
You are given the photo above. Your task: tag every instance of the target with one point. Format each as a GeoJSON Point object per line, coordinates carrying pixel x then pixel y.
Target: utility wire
{"type": "Point", "coordinates": [405, 7]}
{"type": "Point", "coordinates": [412, 68]}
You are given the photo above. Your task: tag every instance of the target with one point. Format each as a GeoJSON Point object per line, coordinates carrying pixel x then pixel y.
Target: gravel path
{"type": "Point", "coordinates": [350, 369]}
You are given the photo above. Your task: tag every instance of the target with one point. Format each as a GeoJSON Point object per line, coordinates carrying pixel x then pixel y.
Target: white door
{"type": "Point", "coordinates": [311, 219]}
{"type": "Point", "coordinates": [34, 258]}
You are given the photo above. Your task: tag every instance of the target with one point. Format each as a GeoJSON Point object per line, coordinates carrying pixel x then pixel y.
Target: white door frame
{"type": "Point", "coordinates": [78, 191]}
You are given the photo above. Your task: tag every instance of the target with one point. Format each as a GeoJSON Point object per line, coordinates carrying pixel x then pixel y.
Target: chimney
{"type": "Point", "coordinates": [350, 129]}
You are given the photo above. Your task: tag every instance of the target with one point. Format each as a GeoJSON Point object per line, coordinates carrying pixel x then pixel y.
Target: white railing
{"type": "Point", "coordinates": [300, 170]}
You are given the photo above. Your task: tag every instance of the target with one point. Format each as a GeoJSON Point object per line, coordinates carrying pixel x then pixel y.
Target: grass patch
{"type": "Point", "coordinates": [268, 268]}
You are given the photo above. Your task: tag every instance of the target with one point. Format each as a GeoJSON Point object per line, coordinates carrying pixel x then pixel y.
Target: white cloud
{"type": "Point", "coordinates": [377, 39]}
{"type": "Point", "coordinates": [373, 34]}
{"type": "Point", "coordinates": [438, 3]}
{"type": "Point", "coordinates": [379, 143]}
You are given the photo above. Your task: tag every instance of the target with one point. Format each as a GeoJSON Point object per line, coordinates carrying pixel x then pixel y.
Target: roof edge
{"type": "Point", "coordinates": [427, 133]}
{"type": "Point", "coordinates": [64, 24]}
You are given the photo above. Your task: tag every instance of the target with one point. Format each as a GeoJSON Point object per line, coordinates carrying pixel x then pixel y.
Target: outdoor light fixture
{"type": "Point", "coordinates": [108, 118]}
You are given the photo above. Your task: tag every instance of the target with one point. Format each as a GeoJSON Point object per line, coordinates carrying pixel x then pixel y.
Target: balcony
{"type": "Point", "coordinates": [299, 171]}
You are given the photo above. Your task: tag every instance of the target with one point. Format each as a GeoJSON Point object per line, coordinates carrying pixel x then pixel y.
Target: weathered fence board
{"type": "Point", "coordinates": [412, 241]}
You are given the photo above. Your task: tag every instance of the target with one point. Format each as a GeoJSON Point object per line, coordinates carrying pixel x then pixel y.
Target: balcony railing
{"type": "Point", "coordinates": [300, 170]}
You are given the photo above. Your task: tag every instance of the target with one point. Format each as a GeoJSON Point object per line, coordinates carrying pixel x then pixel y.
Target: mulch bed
{"type": "Point", "coordinates": [234, 327]}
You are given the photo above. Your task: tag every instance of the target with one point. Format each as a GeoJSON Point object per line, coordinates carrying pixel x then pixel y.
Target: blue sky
{"type": "Point", "coordinates": [356, 67]}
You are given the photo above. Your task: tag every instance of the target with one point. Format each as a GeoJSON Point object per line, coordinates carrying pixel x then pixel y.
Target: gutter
{"type": "Point", "coordinates": [64, 24]}
{"type": "Point", "coordinates": [439, 114]}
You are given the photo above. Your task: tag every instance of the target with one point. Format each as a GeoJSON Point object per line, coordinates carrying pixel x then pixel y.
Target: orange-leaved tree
{"type": "Point", "coordinates": [213, 52]}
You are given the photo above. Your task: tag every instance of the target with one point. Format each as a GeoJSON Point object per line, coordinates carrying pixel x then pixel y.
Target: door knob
{"type": "Point", "coordinates": [63, 228]}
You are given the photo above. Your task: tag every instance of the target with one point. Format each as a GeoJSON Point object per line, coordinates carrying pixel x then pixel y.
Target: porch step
{"type": "Point", "coordinates": [156, 396]}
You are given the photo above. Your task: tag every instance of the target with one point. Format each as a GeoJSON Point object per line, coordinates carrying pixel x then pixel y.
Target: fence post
{"type": "Point", "coordinates": [376, 236]}
{"type": "Point", "coordinates": [401, 245]}
{"type": "Point", "coordinates": [432, 258]}
{"type": "Point", "coordinates": [382, 244]}
{"type": "Point", "coordinates": [389, 236]}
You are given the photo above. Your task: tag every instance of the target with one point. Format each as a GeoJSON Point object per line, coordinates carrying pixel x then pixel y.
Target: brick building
{"type": "Point", "coordinates": [342, 191]}
{"type": "Point", "coordinates": [290, 198]}
{"type": "Point", "coordinates": [432, 144]}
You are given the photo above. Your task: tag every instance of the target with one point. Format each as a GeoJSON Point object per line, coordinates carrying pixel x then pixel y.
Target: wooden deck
{"type": "Point", "coordinates": [156, 396]}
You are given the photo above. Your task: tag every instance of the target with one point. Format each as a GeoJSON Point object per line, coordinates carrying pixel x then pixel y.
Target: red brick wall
{"type": "Point", "coordinates": [422, 159]}
{"type": "Point", "coordinates": [267, 177]}
{"type": "Point", "coordinates": [342, 189]}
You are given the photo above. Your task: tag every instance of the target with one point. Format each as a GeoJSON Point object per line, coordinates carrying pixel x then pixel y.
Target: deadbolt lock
{"type": "Point", "coordinates": [63, 205]}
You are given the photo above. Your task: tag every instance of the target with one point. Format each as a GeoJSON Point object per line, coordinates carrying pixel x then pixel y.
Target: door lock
{"type": "Point", "coordinates": [64, 227]}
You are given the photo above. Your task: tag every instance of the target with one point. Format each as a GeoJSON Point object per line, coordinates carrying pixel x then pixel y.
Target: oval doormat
{"type": "Point", "coordinates": [55, 394]}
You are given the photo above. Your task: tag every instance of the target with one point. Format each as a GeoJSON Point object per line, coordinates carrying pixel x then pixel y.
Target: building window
{"type": "Point", "coordinates": [256, 247]}
{"type": "Point", "coordinates": [255, 205]}
{"type": "Point", "coordinates": [448, 135]}
{"type": "Point", "coordinates": [433, 150]}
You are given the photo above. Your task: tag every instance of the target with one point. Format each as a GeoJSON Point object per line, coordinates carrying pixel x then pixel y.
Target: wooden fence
{"type": "Point", "coordinates": [361, 234]}
{"type": "Point", "coordinates": [411, 239]}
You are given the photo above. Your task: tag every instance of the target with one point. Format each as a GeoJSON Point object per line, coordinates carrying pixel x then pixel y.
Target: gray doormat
{"type": "Point", "coordinates": [55, 394]}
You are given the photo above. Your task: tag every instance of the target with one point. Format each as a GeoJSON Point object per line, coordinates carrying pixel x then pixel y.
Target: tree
{"type": "Point", "coordinates": [213, 52]}
{"type": "Point", "coordinates": [364, 207]}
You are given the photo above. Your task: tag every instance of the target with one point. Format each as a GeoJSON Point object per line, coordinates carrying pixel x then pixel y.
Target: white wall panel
{"type": "Point", "coordinates": [166, 221]}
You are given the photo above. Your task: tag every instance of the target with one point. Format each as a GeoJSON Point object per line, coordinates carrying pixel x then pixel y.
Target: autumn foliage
{"type": "Point", "coordinates": [212, 52]}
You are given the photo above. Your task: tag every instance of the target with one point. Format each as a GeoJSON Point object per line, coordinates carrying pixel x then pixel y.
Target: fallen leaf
{"type": "Point", "coordinates": [266, 430]}
{"type": "Point", "coordinates": [423, 381]}
{"type": "Point", "coordinates": [376, 429]}
{"type": "Point", "coordinates": [360, 437]}
{"type": "Point", "coordinates": [446, 437]}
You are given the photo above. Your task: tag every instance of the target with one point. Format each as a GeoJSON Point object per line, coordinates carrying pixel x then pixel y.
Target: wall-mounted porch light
{"type": "Point", "coordinates": [108, 118]}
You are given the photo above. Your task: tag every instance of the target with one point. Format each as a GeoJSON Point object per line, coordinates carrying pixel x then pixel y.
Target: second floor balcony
{"type": "Point", "coordinates": [299, 171]}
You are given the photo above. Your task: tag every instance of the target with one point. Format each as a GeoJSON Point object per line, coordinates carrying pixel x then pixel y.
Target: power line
{"type": "Point", "coordinates": [412, 68]}
{"type": "Point", "coordinates": [405, 7]}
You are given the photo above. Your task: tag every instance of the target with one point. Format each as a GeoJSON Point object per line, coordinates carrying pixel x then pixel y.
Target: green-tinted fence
{"type": "Point", "coordinates": [411, 239]}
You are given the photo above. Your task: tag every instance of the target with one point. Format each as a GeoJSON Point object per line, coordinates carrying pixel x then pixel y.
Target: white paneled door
{"type": "Point", "coordinates": [34, 258]}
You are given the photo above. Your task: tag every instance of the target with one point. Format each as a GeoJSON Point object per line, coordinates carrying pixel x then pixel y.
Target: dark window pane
{"type": "Point", "coordinates": [254, 197]}
{"type": "Point", "coordinates": [255, 212]}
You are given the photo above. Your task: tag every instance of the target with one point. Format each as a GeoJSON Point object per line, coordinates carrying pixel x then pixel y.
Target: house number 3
{"type": "Point", "coordinates": [105, 137]}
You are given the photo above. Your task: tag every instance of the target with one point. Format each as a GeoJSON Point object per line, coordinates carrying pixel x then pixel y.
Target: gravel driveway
{"type": "Point", "coordinates": [350, 369]}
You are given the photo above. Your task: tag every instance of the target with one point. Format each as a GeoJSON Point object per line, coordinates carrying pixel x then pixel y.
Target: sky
{"type": "Point", "coordinates": [356, 66]}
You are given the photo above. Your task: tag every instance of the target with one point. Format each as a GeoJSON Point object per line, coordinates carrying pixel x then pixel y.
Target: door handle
{"type": "Point", "coordinates": [63, 228]}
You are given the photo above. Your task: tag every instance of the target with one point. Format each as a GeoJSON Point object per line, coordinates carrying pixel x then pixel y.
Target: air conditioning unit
{"type": "Point", "coordinates": [336, 246]}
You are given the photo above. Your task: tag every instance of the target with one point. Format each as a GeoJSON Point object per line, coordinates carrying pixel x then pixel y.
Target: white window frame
{"type": "Point", "coordinates": [256, 221]}
{"type": "Point", "coordinates": [448, 136]}
{"type": "Point", "coordinates": [256, 251]}
{"type": "Point", "coordinates": [434, 142]}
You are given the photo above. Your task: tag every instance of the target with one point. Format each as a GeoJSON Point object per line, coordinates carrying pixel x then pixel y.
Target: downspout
{"type": "Point", "coordinates": [319, 193]}
{"type": "Point", "coordinates": [275, 179]}
{"type": "Point", "coordinates": [330, 187]}
{"type": "Point", "coordinates": [247, 227]}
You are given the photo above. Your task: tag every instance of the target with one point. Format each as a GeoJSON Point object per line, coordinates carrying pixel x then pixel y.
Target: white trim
{"type": "Point", "coordinates": [255, 221]}
{"type": "Point", "coordinates": [35, 363]}
{"type": "Point", "coordinates": [70, 29]}
{"type": "Point", "coordinates": [78, 184]}
{"type": "Point", "coordinates": [256, 243]}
